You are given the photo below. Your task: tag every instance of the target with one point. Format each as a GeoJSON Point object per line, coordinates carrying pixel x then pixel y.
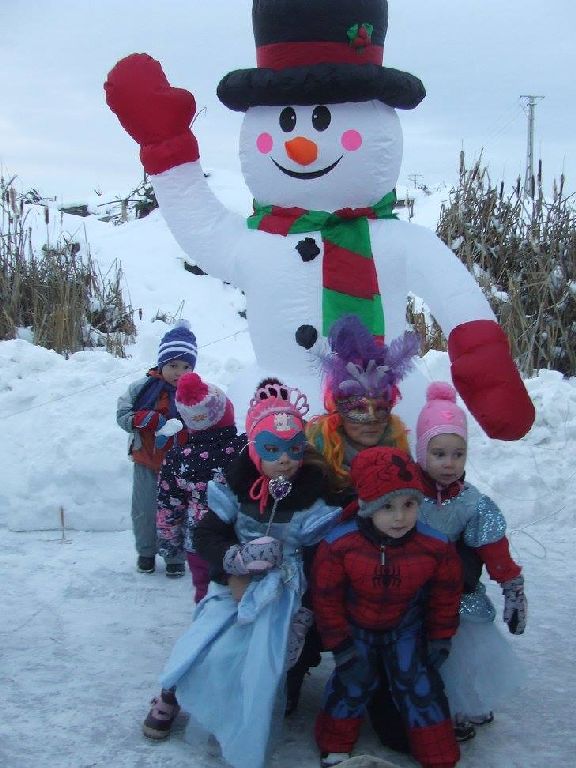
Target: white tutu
{"type": "Point", "coordinates": [482, 669]}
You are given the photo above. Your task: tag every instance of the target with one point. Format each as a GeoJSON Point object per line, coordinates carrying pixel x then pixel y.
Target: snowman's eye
{"type": "Point", "coordinates": [321, 118]}
{"type": "Point", "coordinates": [287, 119]}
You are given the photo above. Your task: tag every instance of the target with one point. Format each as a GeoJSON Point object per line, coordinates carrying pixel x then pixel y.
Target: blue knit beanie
{"type": "Point", "coordinates": [178, 344]}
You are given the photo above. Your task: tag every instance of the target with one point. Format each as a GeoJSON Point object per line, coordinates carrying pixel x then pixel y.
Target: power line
{"type": "Point", "coordinates": [501, 125]}
{"type": "Point", "coordinates": [105, 381]}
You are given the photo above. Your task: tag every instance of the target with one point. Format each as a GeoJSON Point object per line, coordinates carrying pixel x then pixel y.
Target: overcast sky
{"type": "Point", "coordinates": [475, 57]}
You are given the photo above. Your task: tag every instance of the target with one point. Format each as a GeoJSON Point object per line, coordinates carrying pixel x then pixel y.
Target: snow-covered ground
{"type": "Point", "coordinates": [83, 636]}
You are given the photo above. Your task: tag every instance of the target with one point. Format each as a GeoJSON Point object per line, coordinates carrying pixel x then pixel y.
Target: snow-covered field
{"type": "Point", "coordinates": [83, 636]}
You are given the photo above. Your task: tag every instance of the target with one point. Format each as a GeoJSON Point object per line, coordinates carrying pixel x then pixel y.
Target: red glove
{"type": "Point", "coordinates": [156, 115]}
{"type": "Point", "coordinates": [488, 381]}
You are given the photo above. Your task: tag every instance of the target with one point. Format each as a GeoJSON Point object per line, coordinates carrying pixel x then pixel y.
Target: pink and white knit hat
{"type": "Point", "coordinates": [440, 416]}
{"type": "Point", "coordinates": [202, 405]}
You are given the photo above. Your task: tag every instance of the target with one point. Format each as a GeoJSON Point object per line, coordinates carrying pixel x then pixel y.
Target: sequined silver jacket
{"type": "Point", "coordinates": [479, 521]}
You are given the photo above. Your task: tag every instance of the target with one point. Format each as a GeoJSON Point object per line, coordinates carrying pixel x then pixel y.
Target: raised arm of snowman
{"type": "Point", "coordinates": [320, 148]}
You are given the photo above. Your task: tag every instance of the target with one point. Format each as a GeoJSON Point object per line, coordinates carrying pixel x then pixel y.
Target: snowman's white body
{"type": "Point", "coordinates": [284, 292]}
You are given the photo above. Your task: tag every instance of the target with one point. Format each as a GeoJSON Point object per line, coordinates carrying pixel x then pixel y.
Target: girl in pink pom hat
{"type": "Point", "coordinates": [482, 669]}
{"type": "Point", "coordinates": [210, 445]}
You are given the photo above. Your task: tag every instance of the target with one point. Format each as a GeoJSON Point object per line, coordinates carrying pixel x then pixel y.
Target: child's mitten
{"type": "Point", "coordinates": [254, 557]}
{"type": "Point", "coordinates": [438, 651]}
{"type": "Point", "coordinates": [168, 430]}
{"type": "Point", "coordinates": [515, 605]}
{"type": "Point", "coordinates": [148, 419]}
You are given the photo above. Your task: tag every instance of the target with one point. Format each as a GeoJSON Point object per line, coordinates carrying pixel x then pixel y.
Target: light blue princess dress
{"type": "Point", "coordinates": [229, 668]}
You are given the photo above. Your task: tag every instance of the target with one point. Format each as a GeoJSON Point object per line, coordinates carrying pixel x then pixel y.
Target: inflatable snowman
{"type": "Point", "coordinates": [320, 148]}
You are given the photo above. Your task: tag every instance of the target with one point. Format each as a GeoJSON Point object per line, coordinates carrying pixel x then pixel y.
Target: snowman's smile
{"type": "Point", "coordinates": [309, 174]}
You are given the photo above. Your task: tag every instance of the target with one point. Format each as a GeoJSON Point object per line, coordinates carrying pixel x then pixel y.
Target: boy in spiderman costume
{"type": "Point", "coordinates": [386, 590]}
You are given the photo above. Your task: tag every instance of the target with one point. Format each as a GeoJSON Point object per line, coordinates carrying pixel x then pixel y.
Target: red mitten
{"type": "Point", "coordinates": [148, 419]}
{"type": "Point", "coordinates": [156, 115]}
{"type": "Point", "coordinates": [488, 381]}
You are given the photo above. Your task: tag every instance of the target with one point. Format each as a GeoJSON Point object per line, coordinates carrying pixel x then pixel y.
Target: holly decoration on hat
{"type": "Point", "coordinates": [360, 35]}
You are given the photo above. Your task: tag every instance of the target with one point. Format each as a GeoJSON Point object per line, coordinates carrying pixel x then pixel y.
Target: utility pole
{"type": "Point", "coordinates": [531, 102]}
{"type": "Point", "coordinates": [414, 178]}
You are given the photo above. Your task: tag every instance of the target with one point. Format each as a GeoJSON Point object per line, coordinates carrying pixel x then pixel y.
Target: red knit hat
{"type": "Point", "coordinates": [202, 405]}
{"type": "Point", "coordinates": [380, 473]}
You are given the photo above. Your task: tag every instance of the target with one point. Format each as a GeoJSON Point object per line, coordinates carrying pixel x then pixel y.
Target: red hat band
{"type": "Point", "coordinates": [319, 52]}
{"type": "Point", "coordinates": [280, 56]}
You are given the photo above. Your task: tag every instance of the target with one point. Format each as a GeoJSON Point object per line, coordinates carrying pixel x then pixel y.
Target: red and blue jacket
{"type": "Point", "coordinates": [366, 579]}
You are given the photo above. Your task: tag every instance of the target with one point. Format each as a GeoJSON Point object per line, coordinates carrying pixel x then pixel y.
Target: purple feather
{"type": "Point", "coordinates": [358, 365]}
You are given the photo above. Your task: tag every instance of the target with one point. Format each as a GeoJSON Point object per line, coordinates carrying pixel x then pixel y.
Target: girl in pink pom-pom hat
{"type": "Point", "coordinates": [482, 669]}
{"type": "Point", "coordinates": [211, 443]}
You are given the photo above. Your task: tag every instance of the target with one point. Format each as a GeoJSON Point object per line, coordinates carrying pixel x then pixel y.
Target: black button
{"type": "Point", "coordinates": [306, 336]}
{"type": "Point", "coordinates": [308, 249]}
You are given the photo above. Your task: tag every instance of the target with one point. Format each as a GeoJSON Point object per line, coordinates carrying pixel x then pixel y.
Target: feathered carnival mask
{"type": "Point", "coordinates": [360, 375]}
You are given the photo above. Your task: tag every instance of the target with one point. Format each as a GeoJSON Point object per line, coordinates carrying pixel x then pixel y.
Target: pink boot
{"type": "Point", "coordinates": [159, 720]}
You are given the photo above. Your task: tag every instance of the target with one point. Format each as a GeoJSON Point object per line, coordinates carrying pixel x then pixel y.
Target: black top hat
{"type": "Point", "coordinates": [319, 52]}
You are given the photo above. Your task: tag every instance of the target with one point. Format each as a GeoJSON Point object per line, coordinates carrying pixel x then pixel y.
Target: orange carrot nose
{"type": "Point", "coordinates": [301, 150]}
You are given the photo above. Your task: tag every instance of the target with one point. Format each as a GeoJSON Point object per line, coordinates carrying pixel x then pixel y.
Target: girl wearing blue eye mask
{"type": "Point", "coordinates": [279, 497]}
{"type": "Point", "coordinates": [279, 455]}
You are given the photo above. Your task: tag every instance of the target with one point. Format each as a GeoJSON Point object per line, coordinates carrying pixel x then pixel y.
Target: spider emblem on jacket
{"type": "Point", "coordinates": [386, 576]}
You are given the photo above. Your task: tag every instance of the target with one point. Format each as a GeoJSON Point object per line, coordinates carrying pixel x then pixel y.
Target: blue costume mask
{"type": "Point", "coordinates": [270, 447]}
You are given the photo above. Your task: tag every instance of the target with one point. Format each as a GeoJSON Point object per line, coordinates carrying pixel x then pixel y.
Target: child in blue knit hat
{"type": "Point", "coordinates": [147, 411]}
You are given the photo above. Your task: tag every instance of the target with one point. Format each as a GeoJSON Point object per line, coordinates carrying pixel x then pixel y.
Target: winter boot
{"type": "Point", "coordinates": [175, 570]}
{"type": "Point", "coordinates": [146, 564]}
{"type": "Point", "coordinates": [159, 720]}
{"type": "Point", "coordinates": [463, 730]}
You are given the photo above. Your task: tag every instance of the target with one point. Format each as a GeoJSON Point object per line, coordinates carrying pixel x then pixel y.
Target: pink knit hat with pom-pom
{"type": "Point", "coordinates": [202, 405]}
{"type": "Point", "coordinates": [440, 416]}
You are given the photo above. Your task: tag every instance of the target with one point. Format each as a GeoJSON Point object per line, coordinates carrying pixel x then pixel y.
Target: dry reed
{"type": "Point", "coordinates": [522, 251]}
{"type": "Point", "coordinates": [58, 292]}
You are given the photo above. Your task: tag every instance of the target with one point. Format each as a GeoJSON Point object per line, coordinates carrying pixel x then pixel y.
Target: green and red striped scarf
{"type": "Point", "coordinates": [349, 281]}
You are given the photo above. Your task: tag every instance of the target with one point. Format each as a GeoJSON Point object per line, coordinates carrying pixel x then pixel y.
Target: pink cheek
{"type": "Point", "coordinates": [264, 143]}
{"type": "Point", "coordinates": [351, 140]}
